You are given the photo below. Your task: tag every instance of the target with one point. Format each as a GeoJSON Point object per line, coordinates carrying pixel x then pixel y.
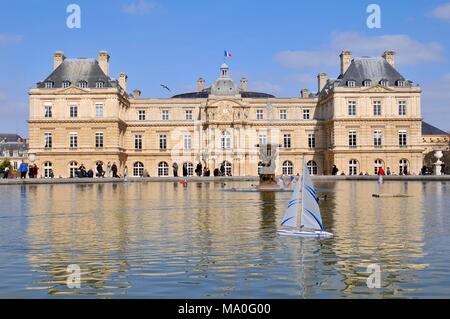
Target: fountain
{"type": "Point", "coordinates": [438, 164]}
{"type": "Point", "coordinates": [267, 157]}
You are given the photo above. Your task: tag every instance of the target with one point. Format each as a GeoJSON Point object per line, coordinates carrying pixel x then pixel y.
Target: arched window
{"type": "Point", "coordinates": [48, 169]}
{"type": "Point", "coordinates": [260, 168]}
{"type": "Point", "coordinates": [225, 140]}
{"type": "Point", "coordinates": [228, 168]}
{"type": "Point", "coordinates": [82, 84]}
{"type": "Point", "coordinates": [163, 169]}
{"type": "Point", "coordinates": [403, 167]}
{"type": "Point", "coordinates": [353, 167]}
{"type": "Point", "coordinates": [312, 167]}
{"type": "Point", "coordinates": [377, 165]}
{"type": "Point", "coordinates": [138, 169]}
{"type": "Point", "coordinates": [189, 169]}
{"type": "Point", "coordinates": [73, 166]}
{"type": "Point", "coordinates": [288, 168]}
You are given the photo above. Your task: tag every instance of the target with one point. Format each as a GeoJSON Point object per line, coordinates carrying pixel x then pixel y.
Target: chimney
{"type": "Point", "coordinates": [103, 61]}
{"type": "Point", "coordinates": [389, 56]}
{"type": "Point", "coordinates": [346, 59]}
{"type": "Point", "coordinates": [305, 93]}
{"type": "Point", "coordinates": [322, 81]}
{"type": "Point", "coordinates": [58, 58]}
{"type": "Point", "coordinates": [123, 81]}
{"type": "Point", "coordinates": [137, 93]}
{"type": "Point", "coordinates": [200, 85]}
{"type": "Point", "coordinates": [244, 84]}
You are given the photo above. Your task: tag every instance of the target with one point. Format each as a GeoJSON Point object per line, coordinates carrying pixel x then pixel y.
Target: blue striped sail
{"type": "Point", "coordinates": [311, 218]}
{"type": "Point", "coordinates": [290, 218]}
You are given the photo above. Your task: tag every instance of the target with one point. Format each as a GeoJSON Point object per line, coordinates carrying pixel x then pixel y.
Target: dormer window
{"type": "Point", "coordinates": [82, 84]}
{"type": "Point", "coordinates": [367, 83]}
{"type": "Point", "coordinates": [48, 85]}
{"type": "Point", "coordinates": [400, 83]}
{"type": "Point", "coordinates": [100, 85]}
{"type": "Point", "coordinates": [351, 84]}
{"type": "Point", "coordinates": [384, 82]}
{"type": "Point", "coordinates": [65, 84]}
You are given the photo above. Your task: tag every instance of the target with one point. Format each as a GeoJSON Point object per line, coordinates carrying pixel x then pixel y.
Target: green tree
{"type": "Point", "coordinates": [4, 165]}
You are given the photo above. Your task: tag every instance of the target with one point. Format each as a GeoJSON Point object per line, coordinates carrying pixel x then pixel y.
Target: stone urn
{"type": "Point", "coordinates": [438, 164]}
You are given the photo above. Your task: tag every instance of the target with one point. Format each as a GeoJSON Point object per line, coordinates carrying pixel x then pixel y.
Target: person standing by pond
{"type": "Point", "coordinates": [6, 172]}
{"type": "Point", "coordinates": [335, 170]}
{"type": "Point", "coordinates": [108, 169]}
{"type": "Point", "coordinates": [23, 169]}
{"type": "Point", "coordinates": [175, 169]}
{"type": "Point", "coordinates": [114, 170]}
{"type": "Point", "coordinates": [100, 172]}
{"type": "Point", "coordinates": [125, 172]}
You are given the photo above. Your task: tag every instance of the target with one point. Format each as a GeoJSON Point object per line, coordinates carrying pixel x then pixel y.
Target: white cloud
{"type": "Point", "coordinates": [409, 51]}
{"type": "Point", "coordinates": [140, 7]}
{"type": "Point", "coordinates": [442, 12]}
{"type": "Point", "coordinates": [10, 39]}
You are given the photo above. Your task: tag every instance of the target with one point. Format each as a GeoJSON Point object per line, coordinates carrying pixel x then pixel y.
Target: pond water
{"type": "Point", "coordinates": [165, 240]}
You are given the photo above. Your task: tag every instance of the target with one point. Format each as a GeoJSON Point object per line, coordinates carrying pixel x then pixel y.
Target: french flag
{"type": "Point", "coordinates": [227, 54]}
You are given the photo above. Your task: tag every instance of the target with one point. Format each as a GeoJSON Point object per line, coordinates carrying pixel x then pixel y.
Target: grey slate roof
{"type": "Point", "coordinates": [75, 70]}
{"type": "Point", "coordinates": [370, 68]}
{"type": "Point", "coordinates": [428, 129]}
{"type": "Point", "coordinates": [10, 138]}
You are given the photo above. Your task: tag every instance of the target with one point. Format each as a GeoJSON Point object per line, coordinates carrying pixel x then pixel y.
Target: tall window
{"type": "Point", "coordinates": [377, 165]}
{"type": "Point", "coordinates": [225, 140]}
{"type": "Point", "coordinates": [351, 108]}
{"type": "Point", "coordinates": [187, 142]}
{"type": "Point", "coordinates": [48, 169]}
{"type": "Point", "coordinates": [312, 167]}
{"type": "Point", "coordinates": [48, 110]}
{"type": "Point", "coordinates": [165, 115]}
{"type": "Point", "coordinates": [283, 114]}
{"type": "Point", "coordinates": [73, 140]}
{"type": "Point", "coordinates": [98, 109]}
{"type": "Point", "coordinates": [403, 167]}
{"type": "Point", "coordinates": [401, 107]}
{"type": "Point", "coordinates": [163, 142]}
{"type": "Point", "coordinates": [141, 115]}
{"type": "Point", "coordinates": [311, 140]}
{"type": "Point", "coordinates": [287, 168]}
{"type": "Point", "coordinates": [287, 141]}
{"type": "Point", "coordinates": [306, 114]}
{"type": "Point", "coordinates": [73, 110]}
{"type": "Point", "coordinates": [352, 138]}
{"type": "Point", "coordinates": [376, 108]}
{"type": "Point", "coordinates": [163, 169]}
{"type": "Point", "coordinates": [262, 139]}
{"type": "Point", "coordinates": [138, 142]}
{"type": "Point", "coordinates": [98, 140]}
{"type": "Point", "coordinates": [73, 166]}
{"type": "Point", "coordinates": [138, 169]}
{"type": "Point", "coordinates": [48, 140]}
{"type": "Point", "coordinates": [189, 169]}
{"type": "Point", "coordinates": [228, 168]}
{"type": "Point", "coordinates": [353, 167]}
{"type": "Point", "coordinates": [402, 138]}
{"type": "Point", "coordinates": [259, 114]}
{"type": "Point", "coordinates": [377, 138]}
{"type": "Point", "coordinates": [188, 115]}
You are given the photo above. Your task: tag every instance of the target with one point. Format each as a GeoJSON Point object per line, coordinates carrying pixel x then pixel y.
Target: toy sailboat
{"type": "Point", "coordinates": [310, 219]}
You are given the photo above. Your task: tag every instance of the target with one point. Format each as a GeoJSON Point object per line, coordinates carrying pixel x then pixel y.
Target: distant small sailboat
{"type": "Point", "coordinates": [310, 221]}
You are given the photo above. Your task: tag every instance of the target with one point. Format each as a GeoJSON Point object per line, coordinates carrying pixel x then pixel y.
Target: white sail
{"type": "Point", "coordinates": [310, 218]}
{"type": "Point", "coordinates": [291, 216]}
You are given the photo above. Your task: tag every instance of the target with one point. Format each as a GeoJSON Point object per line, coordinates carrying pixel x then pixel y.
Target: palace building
{"type": "Point", "coordinates": [368, 117]}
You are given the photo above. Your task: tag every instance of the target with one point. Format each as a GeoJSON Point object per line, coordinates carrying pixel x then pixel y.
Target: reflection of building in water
{"type": "Point", "coordinates": [363, 223]}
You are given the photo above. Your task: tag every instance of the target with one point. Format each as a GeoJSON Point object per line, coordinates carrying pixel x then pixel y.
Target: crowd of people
{"type": "Point", "coordinates": [201, 170]}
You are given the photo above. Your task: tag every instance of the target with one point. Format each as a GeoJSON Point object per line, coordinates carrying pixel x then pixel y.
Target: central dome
{"type": "Point", "coordinates": [224, 85]}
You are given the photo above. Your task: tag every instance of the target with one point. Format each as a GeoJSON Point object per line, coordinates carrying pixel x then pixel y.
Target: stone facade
{"type": "Point", "coordinates": [79, 115]}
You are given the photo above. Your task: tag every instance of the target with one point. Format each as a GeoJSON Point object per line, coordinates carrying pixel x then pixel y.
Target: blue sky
{"type": "Point", "coordinates": [280, 46]}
